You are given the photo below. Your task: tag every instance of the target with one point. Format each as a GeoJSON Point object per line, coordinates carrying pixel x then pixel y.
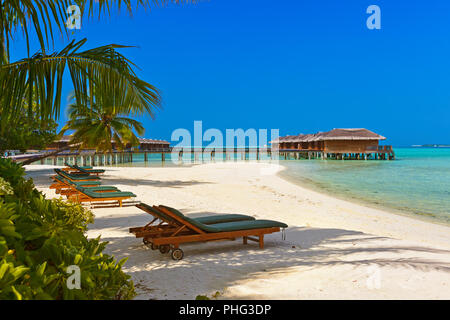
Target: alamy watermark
{"type": "Point", "coordinates": [233, 144]}
{"type": "Point", "coordinates": [374, 20]}
{"type": "Point", "coordinates": [74, 19]}
{"type": "Point", "coordinates": [74, 280]}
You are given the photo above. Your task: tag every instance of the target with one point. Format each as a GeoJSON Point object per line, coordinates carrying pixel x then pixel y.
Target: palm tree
{"type": "Point", "coordinates": [89, 70]}
{"type": "Point", "coordinates": [101, 125]}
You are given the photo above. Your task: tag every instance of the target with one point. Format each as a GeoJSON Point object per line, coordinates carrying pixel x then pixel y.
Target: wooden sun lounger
{"type": "Point", "coordinates": [77, 169]}
{"type": "Point", "coordinates": [61, 184]}
{"type": "Point", "coordinates": [188, 230]}
{"type": "Point", "coordinates": [69, 168]}
{"type": "Point", "coordinates": [86, 195]}
{"type": "Point", "coordinates": [164, 224]}
{"type": "Point", "coordinates": [74, 190]}
{"type": "Point", "coordinates": [76, 176]}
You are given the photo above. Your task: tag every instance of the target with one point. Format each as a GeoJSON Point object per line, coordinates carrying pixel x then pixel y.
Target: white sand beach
{"type": "Point", "coordinates": [334, 249]}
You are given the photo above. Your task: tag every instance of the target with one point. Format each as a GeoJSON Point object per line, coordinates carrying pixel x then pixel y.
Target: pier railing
{"type": "Point", "coordinates": [379, 149]}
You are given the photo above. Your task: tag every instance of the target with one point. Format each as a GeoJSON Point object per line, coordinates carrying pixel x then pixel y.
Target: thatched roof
{"type": "Point", "coordinates": [335, 134]}
{"type": "Point", "coordinates": [351, 134]}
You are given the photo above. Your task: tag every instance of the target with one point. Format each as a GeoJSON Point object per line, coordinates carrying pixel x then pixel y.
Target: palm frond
{"type": "Point", "coordinates": [101, 70]}
{"type": "Point", "coordinates": [48, 16]}
{"type": "Point", "coordinates": [42, 15]}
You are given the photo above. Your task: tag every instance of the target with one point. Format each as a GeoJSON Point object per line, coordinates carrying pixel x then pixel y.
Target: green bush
{"type": "Point", "coordinates": [40, 238]}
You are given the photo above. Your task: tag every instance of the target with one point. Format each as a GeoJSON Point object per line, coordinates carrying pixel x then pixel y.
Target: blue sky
{"type": "Point", "coordinates": [298, 66]}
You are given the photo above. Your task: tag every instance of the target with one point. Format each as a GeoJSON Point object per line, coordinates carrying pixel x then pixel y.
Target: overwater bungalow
{"type": "Point", "coordinates": [336, 144]}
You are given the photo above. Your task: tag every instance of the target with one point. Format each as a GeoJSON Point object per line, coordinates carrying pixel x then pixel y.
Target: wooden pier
{"type": "Point", "coordinates": [198, 155]}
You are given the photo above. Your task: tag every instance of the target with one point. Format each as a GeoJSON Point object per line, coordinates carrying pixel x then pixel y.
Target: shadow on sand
{"type": "Point", "coordinates": [231, 261]}
{"type": "Point", "coordinates": [42, 179]}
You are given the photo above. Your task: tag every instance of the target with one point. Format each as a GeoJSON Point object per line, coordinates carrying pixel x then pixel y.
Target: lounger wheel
{"type": "Point", "coordinates": [165, 248]}
{"type": "Point", "coordinates": [154, 246]}
{"type": "Point", "coordinates": [177, 254]}
{"type": "Point", "coordinates": [145, 241]}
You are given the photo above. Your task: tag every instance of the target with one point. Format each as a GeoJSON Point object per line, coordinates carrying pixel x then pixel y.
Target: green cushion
{"type": "Point", "coordinates": [221, 218]}
{"type": "Point", "coordinates": [205, 220]}
{"type": "Point", "coordinates": [59, 171]}
{"type": "Point", "coordinates": [78, 183]}
{"type": "Point", "coordinates": [156, 213]}
{"type": "Point", "coordinates": [81, 176]}
{"type": "Point", "coordinates": [84, 183]}
{"type": "Point", "coordinates": [229, 226]}
{"type": "Point", "coordinates": [194, 222]}
{"type": "Point", "coordinates": [116, 194]}
{"type": "Point", "coordinates": [247, 225]}
{"type": "Point", "coordinates": [101, 188]}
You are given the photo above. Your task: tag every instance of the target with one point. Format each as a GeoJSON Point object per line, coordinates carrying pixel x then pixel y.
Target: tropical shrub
{"type": "Point", "coordinates": [41, 238]}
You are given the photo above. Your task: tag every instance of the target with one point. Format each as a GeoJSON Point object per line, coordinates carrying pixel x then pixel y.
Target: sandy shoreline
{"type": "Point", "coordinates": [334, 249]}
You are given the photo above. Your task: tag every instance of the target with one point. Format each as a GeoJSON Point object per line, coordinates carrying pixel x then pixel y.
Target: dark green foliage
{"type": "Point", "coordinates": [26, 134]}
{"type": "Point", "coordinates": [40, 238]}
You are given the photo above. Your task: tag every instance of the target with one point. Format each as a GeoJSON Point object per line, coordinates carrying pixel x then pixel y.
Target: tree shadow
{"type": "Point", "coordinates": [42, 179]}
{"type": "Point", "coordinates": [226, 263]}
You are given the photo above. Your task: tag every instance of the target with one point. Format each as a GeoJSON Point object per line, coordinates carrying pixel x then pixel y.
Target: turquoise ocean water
{"type": "Point", "coordinates": [417, 182]}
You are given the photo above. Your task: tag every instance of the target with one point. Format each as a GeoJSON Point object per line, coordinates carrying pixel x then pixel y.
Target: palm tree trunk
{"type": "Point", "coordinates": [48, 154]}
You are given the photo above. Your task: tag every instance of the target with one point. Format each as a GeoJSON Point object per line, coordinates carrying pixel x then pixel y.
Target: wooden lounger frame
{"type": "Point", "coordinates": [61, 187]}
{"type": "Point", "coordinates": [70, 170]}
{"type": "Point", "coordinates": [82, 197]}
{"type": "Point", "coordinates": [171, 235]}
{"type": "Point", "coordinates": [151, 230]}
{"type": "Point", "coordinates": [76, 195]}
{"type": "Point", "coordinates": [77, 180]}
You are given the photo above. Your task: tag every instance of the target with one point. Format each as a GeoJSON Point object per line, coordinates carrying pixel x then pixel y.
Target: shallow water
{"type": "Point", "coordinates": [418, 181]}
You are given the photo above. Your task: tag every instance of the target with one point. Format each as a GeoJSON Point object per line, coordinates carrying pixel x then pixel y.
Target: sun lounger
{"type": "Point", "coordinates": [66, 187]}
{"type": "Point", "coordinates": [70, 168]}
{"type": "Point", "coordinates": [78, 169]}
{"type": "Point", "coordinates": [60, 184]}
{"type": "Point", "coordinates": [87, 195]}
{"type": "Point", "coordinates": [163, 224]}
{"type": "Point", "coordinates": [76, 176]}
{"type": "Point", "coordinates": [190, 230]}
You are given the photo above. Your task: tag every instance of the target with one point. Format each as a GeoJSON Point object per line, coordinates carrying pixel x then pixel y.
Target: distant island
{"type": "Point", "coordinates": [431, 145]}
